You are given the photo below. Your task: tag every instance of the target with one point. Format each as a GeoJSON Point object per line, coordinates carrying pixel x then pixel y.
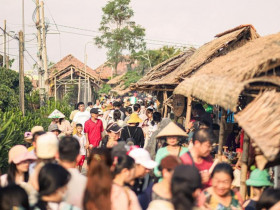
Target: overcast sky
{"type": "Point", "coordinates": [184, 22]}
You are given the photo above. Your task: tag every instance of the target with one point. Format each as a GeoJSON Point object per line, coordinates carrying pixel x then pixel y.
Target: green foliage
{"type": "Point", "coordinates": [104, 89]}
{"type": "Point", "coordinates": [150, 58]}
{"type": "Point", "coordinates": [9, 88]}
{"type": "Point", "coordinates": [119, 33]}
{"type": "Point", "coordinates": [131, 77]}
{"type": "Point", "coordinates": [13, 125]}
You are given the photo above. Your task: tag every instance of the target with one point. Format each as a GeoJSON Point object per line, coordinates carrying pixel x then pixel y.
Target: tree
{"type": "Point", "coordinates": [119, 33]}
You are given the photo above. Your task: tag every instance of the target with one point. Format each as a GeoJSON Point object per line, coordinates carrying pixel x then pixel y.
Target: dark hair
{"type": "Point", "coordinates": [185, 180]}
{"type": "Point", "coordinates": [203, 135]}
{"type": "Point", "coordinates": [136, 107]}
{"type": "Point", "coordinates": [36, 135]}
{"type": "Point", "coordinates": [223, 167]}
{"type": "Point", "coordinates": [268, 198]}
{"type": "Point", "coordinates": [117, 115]}
{"type": "Point", "coordinates": [80, 103]}
{"type": "Point", "coordinates": [156, 118]}
{"type": "Point", "coordinates": [11, 174]}
{"type": "Point", "coordinates": [199, 107]}
{"type": "Point", "coordinates": [149, 110]}
{"type": "Point", "coordinates": [117, 104]}
{"type": "Point", "coordinates": [13, 196]}
{"type": "Point", "coordinates": [128, 110]}
{"type": "Point", "coordinates": [52, 177]}
{"type": "Point", "coordinates": [151, 103]}
{"type": "Point", "coordinates": [122, 162]}
{"type": "Point", "coordinates": [69, 148]}
{"type": "Point", "coordinates": [79, 125]}
{"type": "Point", "coordinates": [89, 103]}
{"type": "Point", "coordinates": [98, 190]}
{"type": "Point", "coordinates": [76, 106]}
{"type": "Point", "coordinates": [60, 120]}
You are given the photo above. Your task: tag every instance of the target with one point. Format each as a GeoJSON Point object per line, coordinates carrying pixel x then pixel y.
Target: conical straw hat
{"type": "Point", "coordinates": [134, 118]}
{"type": "Point", "coordinates": [56, 114]}
{"type": "Point", "coordinates": [171, 130]}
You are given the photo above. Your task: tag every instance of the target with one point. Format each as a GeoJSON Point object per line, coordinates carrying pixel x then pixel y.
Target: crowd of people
{"type": "Point", "coordinates": [120, 154]}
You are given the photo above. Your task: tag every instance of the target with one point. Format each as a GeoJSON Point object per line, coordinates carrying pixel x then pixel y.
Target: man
{"type": "Point", "coordinates": [144, 164]}
{"type": "Point", "coordinates": [97, 104]}
{"type": "Point", "coordinates": [117, 106]}
{"type": "Point", "coordinates": [136, 108]}
{"type": "Point", "coordinates": [82, 115]}
{"type": "Point", "coordinates": [93, 129]}
{"type": "Point", "coordinates": [200, 114]}
{"type": "Point", "coordinates": [90, 106]}
{"type": "Point", "coordinates": [69, 149]}
{"type": "Point", "coordinates": [199, 154]}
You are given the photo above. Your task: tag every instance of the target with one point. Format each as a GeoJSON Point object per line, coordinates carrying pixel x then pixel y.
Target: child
{"type": "Point", "coordinates": [83, 143]}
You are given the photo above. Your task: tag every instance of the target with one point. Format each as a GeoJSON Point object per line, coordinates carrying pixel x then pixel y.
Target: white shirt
{"type": "Point", "coordinates": [82, 140]}
{"type": "Point", "coordinates": [75, 188]}
{"type": "Point", "coordinates": [81, 117]}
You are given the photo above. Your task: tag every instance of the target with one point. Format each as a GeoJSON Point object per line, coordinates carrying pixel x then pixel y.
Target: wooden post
{"type": "Point", "coordinates": [71, 73]}
{"type": "Point", "coordinates": [55, 89]}
{"type": "Point", "coordinates": [165, 106]}
{"type": "Point", "coordinates": [21, 73]}
{"type": "Point", "coordinates": [79, 89]}
{"type": "Point", "coordinates": [189, 111]}
{"type": "Point", "coordinates": [222, 134]}
{"type": "Point", "coordinates": [244, 166]}
{"type": "Point", "coordinates": [89, 98]}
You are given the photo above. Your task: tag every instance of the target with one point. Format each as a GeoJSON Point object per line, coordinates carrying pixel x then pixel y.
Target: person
{"type": "Point", "coordinates": [199, 154]}
{"type": "Point", "coordinates": [220, 195]}
{"type": "Point", "coordinates": [93, 129]}
{"type": "Point", "coordinates": [89, 107]}
{"type": "Point", "coordinates": [154, 125]}
{"type": "Point", "coordinates": [258, 180]}
{"type": "Point", "coordinates": [172, 133]}
{"type": "Point", "coordinates": [19, 160]}
{"type": "Point", "coordinates": [113, 135]}
{"type": "Point", "coordinates": [128, 112]}
{"type": "Point", "coordinates": [144, 164]}
{"type": "Point", "coordinates": [13, 197]}
{"type": "Point", "coordinates": [161, 190]}
{"type": "Point", "coordinates": [132, 132]}
{"type": "Point", "coordinates": [83, 145]}
{"type": "Point", "coordinates": [200, 114]}
{"type": "Point", "coordinates": [269, 199]}
{"type": "Point", "coordinates": [52, 188]}
{"type": "Point", "coordinates": [117, 118]}
{"type": "Point", "coordinates": [81, 116]}
{"type": "Point", "coordinates": [154, 144]}
{"type": "Point", "coordinates": [47, 152]}
{"type": "Point", "coordinates": [97, 194]}
{"type": "Point", "coordinates": [123, 198]}
{"type": "Point", "coordinates": [97, 104]}
{"type": "Point", "coordinates": [117, 106]}
{"type": "Point", "coordinates": [74, 112]}
{"type": "Point", "coordinates": [136, 108]}
{"type": "Point", "coordinates": [53, 128]}
{"type": "Point", "coordinates": [64, 125]}
{"type": "Point", "coordinates": [28, 136]}
{"type": "Point", "coordinates": [69, 149]}
{"type": "Point", "coordinates": [147, 122]}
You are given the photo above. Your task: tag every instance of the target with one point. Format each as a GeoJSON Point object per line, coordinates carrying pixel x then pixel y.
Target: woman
{"type": "Point", "coordinates": [147, 122]}
{"type": "Point", "coordinates": [220, 195]}
{"type": "Point", "coordinates": [185, 188]}
{"type": "Point", "coordinates": [63, 125]}
{"type": "Point", "coordinates": [161, 190]}
{"type": "Point", "coordinates": [132, 132]}
{"type": "Point", "coordinates": [154, 125]}
{"type": "Point", "coordinates": [117, 118]}
{"type": "Point", "coordinates": [122, 197]}
{"type": "Point", "coordinates": [19, 160]}
{"type": "Point", "coordinates": [98, 189]}
{"type": "Point", "coordinates": [128, 112]}
{"type": "Point", "coordinates": [171, 132]}
{"type": "Point", "coordinates": [13, 197]}
{"type": "Point", "coordinates": [113, 135]}
{"type": "Point", "coordinates": [53, 179]}
{"type": "Point", "coordinates": [259, 180]}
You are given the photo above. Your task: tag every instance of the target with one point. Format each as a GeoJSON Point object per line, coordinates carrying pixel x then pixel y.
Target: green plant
{"type": "Point", "coordinates": [104, 89]}
{"type": "Point", "coordinates": [131, 77]}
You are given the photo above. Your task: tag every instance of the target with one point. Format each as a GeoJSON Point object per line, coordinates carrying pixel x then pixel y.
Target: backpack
{"type": "Point", "coordinates": [131, 141]}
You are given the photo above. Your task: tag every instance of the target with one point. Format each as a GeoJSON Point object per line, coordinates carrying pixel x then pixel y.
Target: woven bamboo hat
{"type": "Point", "coordinates": [134, 118]}
{"type": "Point", "coordinates": [56, 114]}
{"type": "Point", "coordinates": [172, 130]}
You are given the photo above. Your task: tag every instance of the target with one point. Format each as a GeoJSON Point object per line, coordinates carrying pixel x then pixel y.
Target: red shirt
{"type": "Point", "coordinates": [204, 165]}
{"type": "Point", "coordinates": [94, 130]}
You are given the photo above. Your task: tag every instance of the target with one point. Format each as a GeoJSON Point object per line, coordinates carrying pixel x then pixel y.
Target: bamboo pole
{"type": "Point", "coordinates": [189, 111]}
{"type": "Point", "coordinates": [21, 72]}
{"type": "Point", "coordinates": [244, 166]}
{"type": "Point", "coordinates": [89, 96]}
{"type": "Point", "coordinates": [79, 89]}
{"type": "Point", "coordinates": [165, 106]}
{"type": "Point", "coordinates": [222, 134]}
{"type": "Point", "coordinates": [55, 90]}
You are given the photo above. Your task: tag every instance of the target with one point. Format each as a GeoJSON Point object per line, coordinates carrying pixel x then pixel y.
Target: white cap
{"type": "Point", "coordinates": [142, 157]}
{"type": "Point", "coordinates": [47, 146]}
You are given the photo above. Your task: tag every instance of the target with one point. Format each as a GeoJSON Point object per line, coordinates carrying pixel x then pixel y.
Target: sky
{"type": "Point", "coordinates": [176, 22]}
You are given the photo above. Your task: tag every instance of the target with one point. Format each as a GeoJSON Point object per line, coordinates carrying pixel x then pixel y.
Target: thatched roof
{"type": "Point", "coordinates": [222, 80]}
{"type": "Point", "coordinates": [120, 90]}
{"type": "Point", "coordinates": [260, 120]}
{"type": "Point", "coordinates": [156, 76]}
{"type": "Point", "coordinates": [115, 80]}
